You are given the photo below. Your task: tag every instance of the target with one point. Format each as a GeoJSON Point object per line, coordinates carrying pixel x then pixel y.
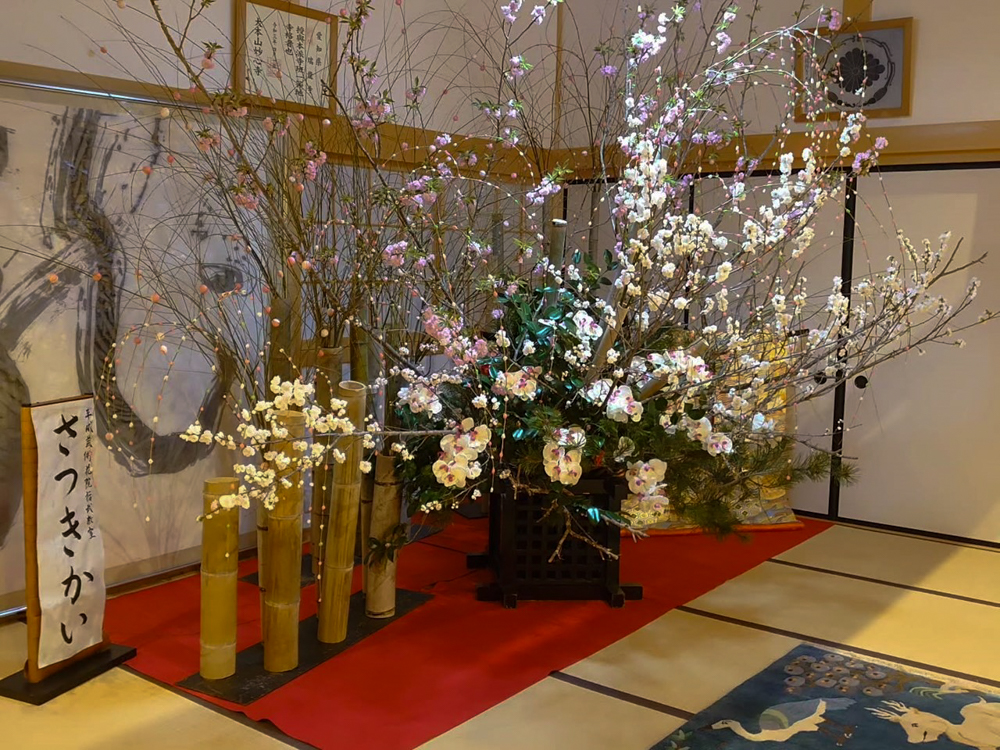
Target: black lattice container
{"type": "Point", "coordinates": [521, 544]}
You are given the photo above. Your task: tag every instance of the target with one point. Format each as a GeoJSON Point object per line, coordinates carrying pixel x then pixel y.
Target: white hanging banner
{"type": "Point", "coordinates": [70, 549]}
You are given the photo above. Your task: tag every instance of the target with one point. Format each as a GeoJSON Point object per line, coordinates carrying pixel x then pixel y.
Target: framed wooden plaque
{"type": "Point", "coordinates": [284, 55]}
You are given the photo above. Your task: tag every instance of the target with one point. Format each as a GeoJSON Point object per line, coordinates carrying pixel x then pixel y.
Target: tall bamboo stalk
{"type": "Point", "coordinates": [328, 373]}
{"type": "Point", "coordinates": [219, 557]}
{"type": "Point", "coordinates": [284, 556]}
{"type": "Point", "coordinates": [279, 364]}
{"type": "Point", "coordinates": [557, 252]}
{"type": "Point", "coordinates": [365, 523]}
{"type": "Point", "coordinates": [380, 598]}
{"type": "Point", "coordinates": [338, 562]}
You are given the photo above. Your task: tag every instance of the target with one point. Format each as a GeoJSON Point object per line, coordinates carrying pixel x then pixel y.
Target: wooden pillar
{"type": "Point", "coordinates": [283, 582]}
{"type": "Point", "coordinates": [380, 598]}
{"type": "Point", "coordinates": [219, 558]}
{"type": "Point", "coordinates": [338, 563]}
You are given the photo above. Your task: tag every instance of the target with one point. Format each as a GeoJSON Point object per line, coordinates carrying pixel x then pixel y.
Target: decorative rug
{"type": "Point", "coordinates": [452, 657]}
{"type": "Point", "coordinates": [821, 698]}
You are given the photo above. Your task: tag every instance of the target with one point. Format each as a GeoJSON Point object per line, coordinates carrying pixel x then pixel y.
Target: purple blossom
{"type": "Point", "coordinates": [538, 195]}
{"type": "Point", "coordinates": [881, 143]}
{"type": "Point", "coordinates": [834, 20]}
{"type": "Point", "coordinates": [609, 71]}
{"type": "Point", "coordinates": [724, 41]}
{"type": "Point", "coordinates": [510, 10]}
{"type": "Point", "coordinates": [394, 254]}
{"type": "Point", "coordinates": [538, 14]}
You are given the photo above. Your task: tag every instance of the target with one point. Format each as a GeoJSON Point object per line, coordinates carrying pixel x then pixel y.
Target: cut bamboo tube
{"type": "Point", "coordinates": [365, 524]}
{"type": "Point", "coordinates": [338, 562]}
{"type": "Point", "coordinates": [219, 558]}
{"type": "Point", "coordinates": [557, 253]}
{"type": "Point", "coordinates": [380, 600]}
{"type": "Point", "coordinates": [328, 373]}
{"type": "Point", "coordinates": [284, 556]}
{"type": "Point", "coordinates": [278, 364]}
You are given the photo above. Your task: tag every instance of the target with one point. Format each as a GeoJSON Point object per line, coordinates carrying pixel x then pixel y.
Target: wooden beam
{"type": "Point", "coordinates": [40, 76]}
{"type": "Point", "coordinates": [858, 10]}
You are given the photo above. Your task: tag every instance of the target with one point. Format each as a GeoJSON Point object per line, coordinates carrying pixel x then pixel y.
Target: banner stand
{"type": "Point", "coordinates": [38, 684]}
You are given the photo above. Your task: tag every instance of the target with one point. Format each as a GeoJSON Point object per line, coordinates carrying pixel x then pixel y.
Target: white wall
{"type": "Point", "coordinates": [956, 71]}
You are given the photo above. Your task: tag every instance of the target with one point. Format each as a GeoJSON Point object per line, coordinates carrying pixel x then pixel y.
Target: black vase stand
{"type": "Point", "coordinates": [521, 543]}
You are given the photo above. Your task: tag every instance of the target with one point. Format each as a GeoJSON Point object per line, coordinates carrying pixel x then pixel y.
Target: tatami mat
{"type": "Point", "coordinates": [633, 693]}
{"type": "Point", "coordinates": [116, 711]}
{"type": "Point", "coordinates": [938, 566]}
{"type": "Point", "coordinates": [683, 660]}
{"type": "Point", "coordinates": [122, 711]}
{"type": "Point", "coordinates": [934, 630]}
{"type": "Point", "coordinates": [553, 714]}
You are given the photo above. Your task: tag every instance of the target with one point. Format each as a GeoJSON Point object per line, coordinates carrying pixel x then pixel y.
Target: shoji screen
{"type": "Point", "coordinates": [925, 431]}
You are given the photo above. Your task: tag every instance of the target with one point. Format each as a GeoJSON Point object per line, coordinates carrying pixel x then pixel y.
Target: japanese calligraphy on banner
{"type": "Point", "coordinates": [70, 549]}
{"type": "Point", "coordinates": [286, 52]}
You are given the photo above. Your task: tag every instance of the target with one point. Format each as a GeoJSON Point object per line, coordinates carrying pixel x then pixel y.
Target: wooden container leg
{"type": "Point", "coordinates": [219, 558]}
{"type": "Point", "coordinates": [284, 557]}
{"type": "Point", "coordinates": [328, 373]}
{"type": "Point", "coordinates": [380, 600]}
{"type": "Point", "coordinates": [338, 563]}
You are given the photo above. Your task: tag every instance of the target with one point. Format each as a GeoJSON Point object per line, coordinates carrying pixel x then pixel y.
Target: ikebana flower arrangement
{"type": "Point", "coordinates": [664, 359]}
{"type": "Point", "coordinates": [671, 364]}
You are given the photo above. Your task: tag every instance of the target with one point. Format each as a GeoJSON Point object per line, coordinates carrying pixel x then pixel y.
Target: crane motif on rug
{"type": "Point", "coordinates": [782, 722]}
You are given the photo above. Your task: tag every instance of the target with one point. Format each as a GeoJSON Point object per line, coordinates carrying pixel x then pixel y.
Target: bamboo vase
{"type": "Point", "coordinates": [365, 523]}
{"type": "Point", "coordinates": [338, 562]}
{"type": "Point", "coordinates": [283, 582]}
{"type": "Point", "coordinates": [219, 558]}
{"type": "Point", "coordinates": [328, 374]}
{"type": "Point", "coordinates": [380, 597]}
{"type": "Point", "coordinates": [279, 364]}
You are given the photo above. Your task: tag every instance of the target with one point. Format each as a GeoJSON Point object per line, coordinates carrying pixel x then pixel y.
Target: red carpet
{"type": "Point", "coordinates": [450, 659]}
